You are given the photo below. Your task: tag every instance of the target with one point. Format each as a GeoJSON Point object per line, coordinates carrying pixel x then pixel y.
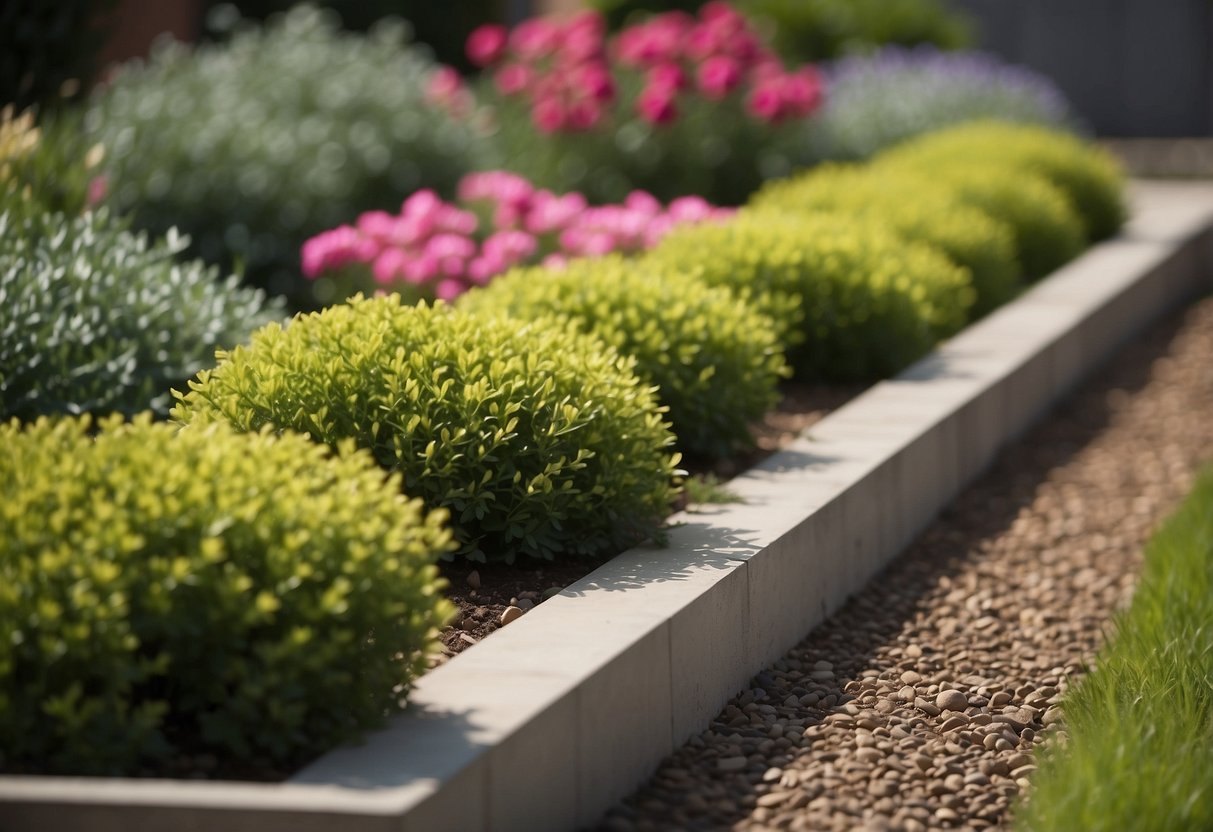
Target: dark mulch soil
{"type": "Point", "coordinates": [483, 592]}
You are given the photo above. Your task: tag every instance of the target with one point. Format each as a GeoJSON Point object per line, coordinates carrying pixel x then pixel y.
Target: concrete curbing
{"type": "Point", "coordinates": [531, 731]}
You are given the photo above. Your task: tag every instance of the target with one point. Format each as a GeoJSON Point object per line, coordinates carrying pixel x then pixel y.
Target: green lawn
{"type": "Point", "coordinates": [1140, 755]}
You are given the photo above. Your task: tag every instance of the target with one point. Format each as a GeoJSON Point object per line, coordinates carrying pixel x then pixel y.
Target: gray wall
{"type": "Point", "coordinates": [1130, 67]}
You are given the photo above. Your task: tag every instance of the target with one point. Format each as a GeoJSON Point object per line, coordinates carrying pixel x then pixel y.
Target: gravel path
{"type": "Point", "coordinates": [919, 704]}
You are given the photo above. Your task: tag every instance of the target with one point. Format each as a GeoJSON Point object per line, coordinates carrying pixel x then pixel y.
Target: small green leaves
{"type": "Point", "coordinates": [536, 438]}
{"type": "Point", "coordinates": [202, 591]}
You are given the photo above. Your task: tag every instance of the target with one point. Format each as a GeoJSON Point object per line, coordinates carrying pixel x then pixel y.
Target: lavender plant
{"type": "Point", "coordinates": [879, 100]}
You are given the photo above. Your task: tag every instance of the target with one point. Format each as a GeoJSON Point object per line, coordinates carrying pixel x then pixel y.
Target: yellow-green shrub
{"type": "Point", "coordinates": [914, 209]}
{"type": "Point", "coordinates": [848, 298]}
{"type": "Point", "coordinates": [1089, 177]}
{"type": "Point", "coordinates": [1047, 232]}
{"type": "Point", "coordinates": [167, 593]}
{"type": "Point", "coordinates": [539, 440]}
{"type": "Point", "coordinates": [695, 342]}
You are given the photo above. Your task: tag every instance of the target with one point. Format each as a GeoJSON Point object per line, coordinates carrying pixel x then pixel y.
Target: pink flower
{"type": "Point", "coordinates": [445, 89]}
{"type": "Point", "coordinates": [509, 247]}
{"type": "Point", "coordinates": [336, 248]}
{"type": "Point", "coordinates": [452, 219]}
{"type": "Point", "coordinates": [642, 202]}
{"type": "Point", "coordinates": [513, 78]}
{"type": "Point", "coordinates": [690, 209]}
{"type": "Point", "coordinates": [378, 224]}
{"type": "Point", "coordinates": [449, 289]}
{"type": "Point", "coordinates": [422, 269]}
{"type": "Point", "coordinates": [495, 186]}
{"type": "Point", "coordinates": [657, 41]}
{"type": "Point", "coordinates": [548, 114]}
{"type": "Point", "coordinates": [656, 105]}
{"type": "Point", "coordinates": [555, 260]}
{"type": "Point", "coordinates": [668, 76]}
{"type": "Point", "coordinates": [550, 213]}
{"type": "Point", "coordinates": [765, 101]}
{"type": "Point", "coordinates": [422, 203]}
{"type": "Point", "coordinates": [802, 91]}
{"type": "Point", "coordinates": [482, 269]}
{"type": "Point", "coordinates": [581, 241]}
{"type": "Point", "coordinates": [722, 14]}
{"type": "Point", "coordinates": [389, 266]}
{"type": "Point", "coordinates": [486, 44]}
{"type": "Point", "coordinates": [583, 38]}
{"type": "Point", "coordinates": [594, 82]}
{"type": "Point", "coordinates": [719, 75]}
{"type": "Point", "coordinates": [535, 38]}
{"type": "Point", "coordinates": [582, 115]}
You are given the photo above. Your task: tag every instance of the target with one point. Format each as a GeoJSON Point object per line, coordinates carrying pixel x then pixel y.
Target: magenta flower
{"type": "Point", "coordinates": [421, 269]}
{"type": "Point", "coordinates": [765, 100]}
{"type": "Point", "coordinates": [486, 44]}
{"type": "Point", "coordinates": [548, 114]}
{"type": "Point", "coordinates": [512, 79]}
{"type": "Point", "coordinates": [802, 91]}
{"type": "Point", "coordinates": [549, 213]}
{"type": "Point", "coordinates": [656, 104]}
{"type": "Point", "coordinates": [642, 202]}
{"type": "Point", "coordinates": [718, 76]}
{"type": "Point", "coordinates": [449, 289]}
{"type": "Point", "coordinates": [98, 187]}
{"type": "Point", "coordinates": [534, 39]}
{"type": "Point", "coordinates": [594, 81]}
{"type": "Point", "coordinates": [389, 266]}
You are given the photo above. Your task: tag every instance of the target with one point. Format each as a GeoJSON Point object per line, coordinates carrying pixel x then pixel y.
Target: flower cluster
{"type": "Point", "coordinates": [564, 68]}
{"type": "Point", "coordinates": [435, 248]}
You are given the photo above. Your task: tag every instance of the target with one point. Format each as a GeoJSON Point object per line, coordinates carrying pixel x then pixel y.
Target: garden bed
{"type": "Point", "coordinates": [563, 712]}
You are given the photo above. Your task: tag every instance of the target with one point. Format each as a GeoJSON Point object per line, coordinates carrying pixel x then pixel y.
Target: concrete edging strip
{"type": "Point", "coordinates": [557, 716]}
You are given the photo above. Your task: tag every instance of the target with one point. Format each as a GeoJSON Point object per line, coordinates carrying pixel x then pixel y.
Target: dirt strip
{"type": "Point", "coordinates": [919, 704]}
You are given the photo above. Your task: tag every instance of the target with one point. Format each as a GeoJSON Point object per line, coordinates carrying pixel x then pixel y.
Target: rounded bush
{"type": "Point", "coordinates": [696, 343]}
{"type": "Point", "coordinates": [1048, 233]}
{"type": "Point", "coordinates": [539, 440]}
{"type": "Point", "coordinates": [915, 210]}
{"type": "Point", "coordinates": [256, 144]}
{"type": "Point", "coordinates": [1089, 177]}
{"type": "Point", "coordinates": [96, 319]}
{"type": "Point", "coordinates": [876, 101]}
{"type": "Point", "coordinates": [167, 594]}
{"type": "Point", "coordinates": [849, 299]}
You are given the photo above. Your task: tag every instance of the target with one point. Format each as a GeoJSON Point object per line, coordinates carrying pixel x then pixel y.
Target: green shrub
{"type": "Point", "coordinates": [696, 343]}
{"type": "Point", "coordinates": [1048, 233]}
{"type": "Point", "coordinates": [916, 211]}
{"type": "Point", "coordinates": [1089, 177]}
{"type": "Point", "coordinates": [540, 441]}
{"type": "Point", "coordinates": [169, 593]}
{"type": "Point", "coordinates": [255, 145]}
{"type": "Point", "coordinates": [94, 318]}
{"type": "Point", "coordinates": [849, 299]}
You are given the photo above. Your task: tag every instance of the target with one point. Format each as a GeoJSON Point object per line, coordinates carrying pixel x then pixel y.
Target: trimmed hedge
{"type": "Point", "coordinates": [254, 145]}
{"type": "Point", "coordinates": [915, 210]}
{"type": "Point", "coordinates": [540, 441]}
{"type": "Point", "coordinates": [96, 319]}
{"type": "Point", "coordinates": [1090, 177]}
{"type": "Point", "coordinates": [696, 343]}
{"type": "Point", "coordinates": [849, 299]}
{"type": "Point", "coordinates": [1047, 231]}
{"type": "Point", "coordinates": [166, 594]}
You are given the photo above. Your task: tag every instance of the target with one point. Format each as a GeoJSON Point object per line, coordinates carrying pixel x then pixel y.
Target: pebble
{"type": "Point", "coordinates": [913, 707]}
{"type": "Point", "coordinates": [473, 579]}
{"type": "Point", "coordinates": [951, 700]}
{"type": "Point", "coordinates": [510, 614]}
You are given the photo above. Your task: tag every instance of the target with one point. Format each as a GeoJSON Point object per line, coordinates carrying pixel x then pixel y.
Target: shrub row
{"type": "Point", "coordinates": [247, 561]}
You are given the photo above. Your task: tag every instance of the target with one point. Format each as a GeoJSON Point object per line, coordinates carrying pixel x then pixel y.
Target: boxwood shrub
{"type": "Point", "coordinates": [1089, 177]}
{"type": "Point", "coordinates": [94, 318]}
{"type": "Point", "coordinates": [172, 595]}
{"type": "Point", "coordinates": [697, 343]}
{"type": "Point", "coordinates": [1047, 231]}
{"type": "Point", "coordinates": [256, 144]}
{"type": "Point", "coordinates": [849, 299]}
{"type": "Point", "coordinates": [539, 440]}
{"type": "Point", "coordinates": [915, 210]}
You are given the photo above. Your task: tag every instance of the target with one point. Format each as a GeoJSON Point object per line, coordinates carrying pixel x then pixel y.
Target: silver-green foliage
{"type": "Point", "coordinates": [95, 319]}
{"type": "Point", "coordinates": [168, 592]}
{"type": "Point", "coordinates": [715, 360]}
{"type": "Point", "coordinates": [253, 145]}
{"type": "Point", "coordinates": [539, 440]}
{"type": "Point", "coordinates": [848, 298]}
